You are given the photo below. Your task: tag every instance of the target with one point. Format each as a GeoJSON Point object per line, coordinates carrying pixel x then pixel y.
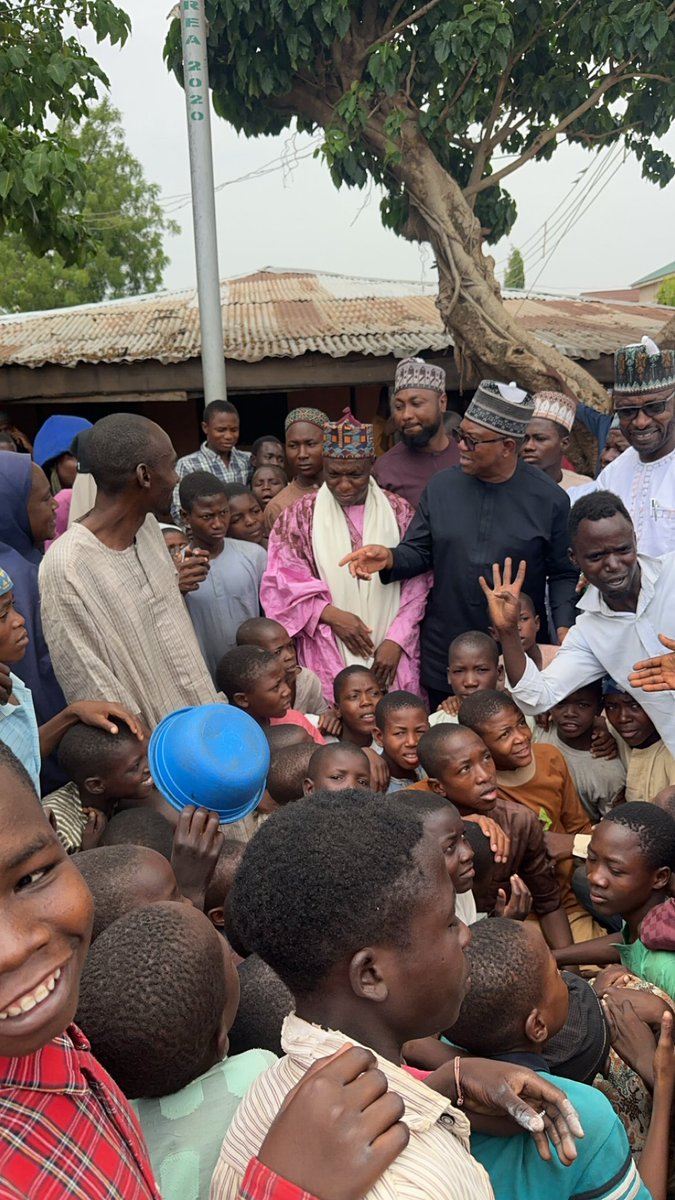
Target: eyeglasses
{"type": "Point", "coordinates": [472, 443]}
{"type": "Point", "coordinates": [654, 409]}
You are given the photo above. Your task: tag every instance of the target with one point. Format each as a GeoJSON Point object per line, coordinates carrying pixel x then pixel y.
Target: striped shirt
{"type": "Point", "coordinates": [237, 470]}
{"type": "Point", "coordinates": [435, 1165]}
{"type": "Point", "coordinates": [66, 1130]}
{"type": "Point", "coordinates": [117, 626]}
{"type": "Point", "coordinates": [71, 820]}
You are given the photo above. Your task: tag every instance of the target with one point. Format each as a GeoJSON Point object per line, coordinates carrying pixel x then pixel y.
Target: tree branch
{"type": "Point", "coordinates": [544, 138]}
{"type": "Point", "coordinates": [484, 146]}
{"type": "Point", "coordinates": [416, 16]}
{"type": "Point", "coordinates": [447, 108]}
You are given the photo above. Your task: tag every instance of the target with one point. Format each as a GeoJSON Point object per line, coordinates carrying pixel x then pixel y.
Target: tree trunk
{"type": "Point", "coordinates": [489, 341]}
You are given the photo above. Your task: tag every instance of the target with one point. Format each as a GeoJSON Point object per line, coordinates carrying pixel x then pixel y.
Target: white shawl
{"type": "Point", "coordinates": [376, 604]}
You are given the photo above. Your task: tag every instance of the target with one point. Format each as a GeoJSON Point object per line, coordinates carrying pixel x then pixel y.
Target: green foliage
{"type": "Point", "coordinates": [123, 221]}
{"type": "Point", "coordinates": [514, 276]}
{"type": "Point", "coordinates": [489, 83]}
{"type": "Point", "coordinates": [46, 75]}
{"type": "Point", "coordinates": [666, 293]}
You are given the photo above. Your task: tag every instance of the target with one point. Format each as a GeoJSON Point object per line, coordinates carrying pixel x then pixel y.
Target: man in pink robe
{"type": "Point", "coordinates": [334, 623]}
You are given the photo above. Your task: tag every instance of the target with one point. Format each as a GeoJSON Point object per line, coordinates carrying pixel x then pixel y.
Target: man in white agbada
{"type": "Point", "coordinates": [337, 620]}
{"type": "Point", "coordinates": [644, 475]}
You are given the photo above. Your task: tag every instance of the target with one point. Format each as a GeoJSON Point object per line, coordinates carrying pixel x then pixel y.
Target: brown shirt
{"type": "Point", "coordinates": [527, 858]}
{"type": "Point", "coordinates": [407, 472]}
{"type": "Point", "coordinates": [287, 496]}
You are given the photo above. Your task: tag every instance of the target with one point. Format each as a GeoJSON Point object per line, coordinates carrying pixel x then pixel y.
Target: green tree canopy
{"type": "Point", "coordinates": [121, 215]}
{"type": "Point", "coordinates": [440, 102]}
{"type": "Point", "coordinates": [666, 293]}
{"type": "Point", "coordinates": [47, 76]}
{"type": "Point", "coordinates": [514, 276]}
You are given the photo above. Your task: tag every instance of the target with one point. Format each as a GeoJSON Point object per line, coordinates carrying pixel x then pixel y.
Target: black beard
{"type": "Point", "coordinates": [419, 440]}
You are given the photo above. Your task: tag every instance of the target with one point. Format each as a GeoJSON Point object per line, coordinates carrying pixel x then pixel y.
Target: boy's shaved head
{"type": "Point", "coordinates": [241, 667]}
{"type": "Point", "coordinates": [121, 878]}
{"type": "Point", "coordinates": [343, 678]}
{"type": "Point", "coordinates": [85, 751]}
{"type": "Point", "coordinates": [436, 744]}
{"type": "Point", "coordinates": [264, 1004]}
{"type": "Point", "coordinates": [199, 485]}
{"type": "Point", "coordinates": [507, 974]}
{"type": "Point", "coordinates": [256, 629]}
{"type": "Point", "coordinates": [395, 702]}
{"type": "Point", "coordinates": [288, 769]}
{"type": "Point", "coordinates": [280, 736]}
{"type": "Point", "coordinates": [475, 639]}
{"type": "Point", "coordinates": [139, 827]}
{"type": "Point", "coordinates": [475, 710]}
{"type": "Point", "coordinates": [152, 998]}
{"type": "Point", "coordinates": [655, 830]}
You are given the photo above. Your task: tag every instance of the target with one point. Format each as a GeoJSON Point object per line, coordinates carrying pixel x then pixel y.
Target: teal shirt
{"type": "Point", "coordinates": [603, 1169]}
{"type": "Point", "coordinates": [184, 1132]}
{"type": "Point", "coordinates": [655, 966]}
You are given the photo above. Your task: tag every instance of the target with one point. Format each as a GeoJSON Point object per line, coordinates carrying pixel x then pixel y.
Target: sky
{"type": "Point", "coordinates": [584, 221]}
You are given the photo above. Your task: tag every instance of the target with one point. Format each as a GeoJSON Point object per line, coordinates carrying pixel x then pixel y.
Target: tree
{"type": "Point", "coordinates": [514, 276]}
{"type": "Point", "coordinates": [666, 293]}
{"type": "Point", "coordinates": [439, 101]}
{"type": "Point", "coordinates": [119, 211]}
{"type": "Point", "coordinates": [46, 75]}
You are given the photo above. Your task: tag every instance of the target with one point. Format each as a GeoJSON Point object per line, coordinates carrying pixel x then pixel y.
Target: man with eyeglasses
{"type": "Point", "coordinates": [494, 506]}
{"type": "Point", "coordinates": [644, 475]}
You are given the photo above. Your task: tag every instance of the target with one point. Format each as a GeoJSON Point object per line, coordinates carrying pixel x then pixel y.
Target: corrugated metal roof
{"type": "Point", "coordinates": [279, 314]}
{"type": "Point", "coordinates": [662, 273]}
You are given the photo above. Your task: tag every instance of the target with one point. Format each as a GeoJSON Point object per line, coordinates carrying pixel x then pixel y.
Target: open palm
{"type": "Point", "coordinates": [504, 596]}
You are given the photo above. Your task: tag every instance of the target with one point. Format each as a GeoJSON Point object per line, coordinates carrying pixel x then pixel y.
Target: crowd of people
{"type": "Point", "coordinates": [431, 956]}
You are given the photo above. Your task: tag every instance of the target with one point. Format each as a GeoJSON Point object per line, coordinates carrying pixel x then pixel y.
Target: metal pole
{"type": "Point", "coordinates": [196, 83]}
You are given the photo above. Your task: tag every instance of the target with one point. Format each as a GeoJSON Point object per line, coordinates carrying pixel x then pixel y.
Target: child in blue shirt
{"type": "Point", "coordinates": [517, 1001]}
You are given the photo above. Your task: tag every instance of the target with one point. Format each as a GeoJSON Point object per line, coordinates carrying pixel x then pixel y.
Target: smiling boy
{"type": "Point", "coordinates": [61, 1116]}
{"type": "Point", "coordinates": [651, 766]}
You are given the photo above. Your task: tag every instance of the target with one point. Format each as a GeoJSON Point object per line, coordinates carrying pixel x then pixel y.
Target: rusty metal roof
{"type": "Point", "coordinates": [279, 314]}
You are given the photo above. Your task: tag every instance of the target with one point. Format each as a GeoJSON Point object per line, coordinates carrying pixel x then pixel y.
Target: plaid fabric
{"type": "Point", "coordinates": [66, 1130]}
{"type": "Point", "coordinates": [657, 931]}
{"type": "Point", "coordinates": [259, 1183]}
{"type": "Point", "coordinates": [205, 459]}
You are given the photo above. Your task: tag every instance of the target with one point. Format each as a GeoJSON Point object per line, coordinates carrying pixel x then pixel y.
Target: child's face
{"type": "Point", "coordinates": [528, 626]}
{"type": "Point", "coordinates": [574, 716]}
{"type": "Point", "coordinates": [276, 640]}
{"type": "Point", "coordinates": [46, 914]}
{"type": "Point", "coordinates": [619, 877]}
{"type": "Point", "coordinates": [616, 444]}
{"type": "Point", "coordinates": [401, 736]}
{"type": "Point", "coordinates": [630, 720]}
{"type": "Point", "coordinates": [266, 483]}
{"type": "Point", "coordinates": [342, 768]}
{"type": "Point", "coordinates": [175, 541]}
{"type": "Point", "coordinates": [468, 776]}
{"type": "Point", "coordinates": [508, 739]}
{"type": "Point", "coordinates": [543, 446]}
{"type": "Point", "coordinates": [246, 519]}
{"type": "Point", "coordinates": [427, 980]}
{"type": "Point", "coordinates": [209, 520]}
{"type": "Point", "coordinates": [471, 669]}
{"type": "Point", "coordinates": [447, 826]}
{"type": "Point", "coordinates": [357, 702]}
{"type": "Point", "coordinates": [270, 695]}
{"type": "Point", "coordinates": [13, 636]}
{"type": "Point", "coordinates": [270, 454]}
{"type": "Point", "coordinates": [128, 777]}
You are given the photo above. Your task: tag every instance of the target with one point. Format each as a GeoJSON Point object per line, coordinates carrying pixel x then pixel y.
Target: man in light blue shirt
{"type": "Point", "coordinates": [628, 603]}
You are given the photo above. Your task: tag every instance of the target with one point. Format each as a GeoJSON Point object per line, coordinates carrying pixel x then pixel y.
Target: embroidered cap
{"type": "Point", "coordinates": [313, 416]}
{"type": "Point", "coordinates": [503, 407]}
{"type": "Point", "coordinates": [416, 373]}
{"type": "Point", "coordinates": [348, 438]}
{"type": "Point", "coordinates": [643, 368]}
{"type": "Point", "coordinates": [6, 584]}
{"type": "Point", "coordinates": [555, 406]}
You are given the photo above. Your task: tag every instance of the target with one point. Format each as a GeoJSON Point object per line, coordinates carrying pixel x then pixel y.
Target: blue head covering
{"type": "Point", "coordinates": [6, 584]}
{"type": "Point", "coordinates": [19, 560]}
{"type": "Point", "coordinates": [56, 436]}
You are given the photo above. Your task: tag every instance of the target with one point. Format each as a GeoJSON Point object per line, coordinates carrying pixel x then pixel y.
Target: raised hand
{"type": "Point", "coordinates": [656, 674]}
{"type": "Point", "coordinates": [196, 845]}
{"type": "Point", "coordinates": [367, 561]}
{"type": "Point", "coordinates": [503, 597]}
{"type": "Point", "coordinates": [192, 569]}
{"type": "Point", "coordinates": [518, 906]}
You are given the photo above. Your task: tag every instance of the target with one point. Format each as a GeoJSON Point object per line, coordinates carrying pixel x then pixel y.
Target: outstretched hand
{"type": "Point", "coordinates": [104, 714]}
{"type": "Point", "coordinates": [367, 561]}
{"type": "Point", "coordinates": [656, 674]}
{"type": "Point", "coordinates": [503, 597]}
{"type": "Point", "coordinates": [197, 841]}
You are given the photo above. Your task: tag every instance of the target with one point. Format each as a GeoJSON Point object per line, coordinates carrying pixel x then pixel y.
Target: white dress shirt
{"type": "Point", "coordinates": [604, 642]}
{"type": "Point", "coordinates": [648, 491]}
